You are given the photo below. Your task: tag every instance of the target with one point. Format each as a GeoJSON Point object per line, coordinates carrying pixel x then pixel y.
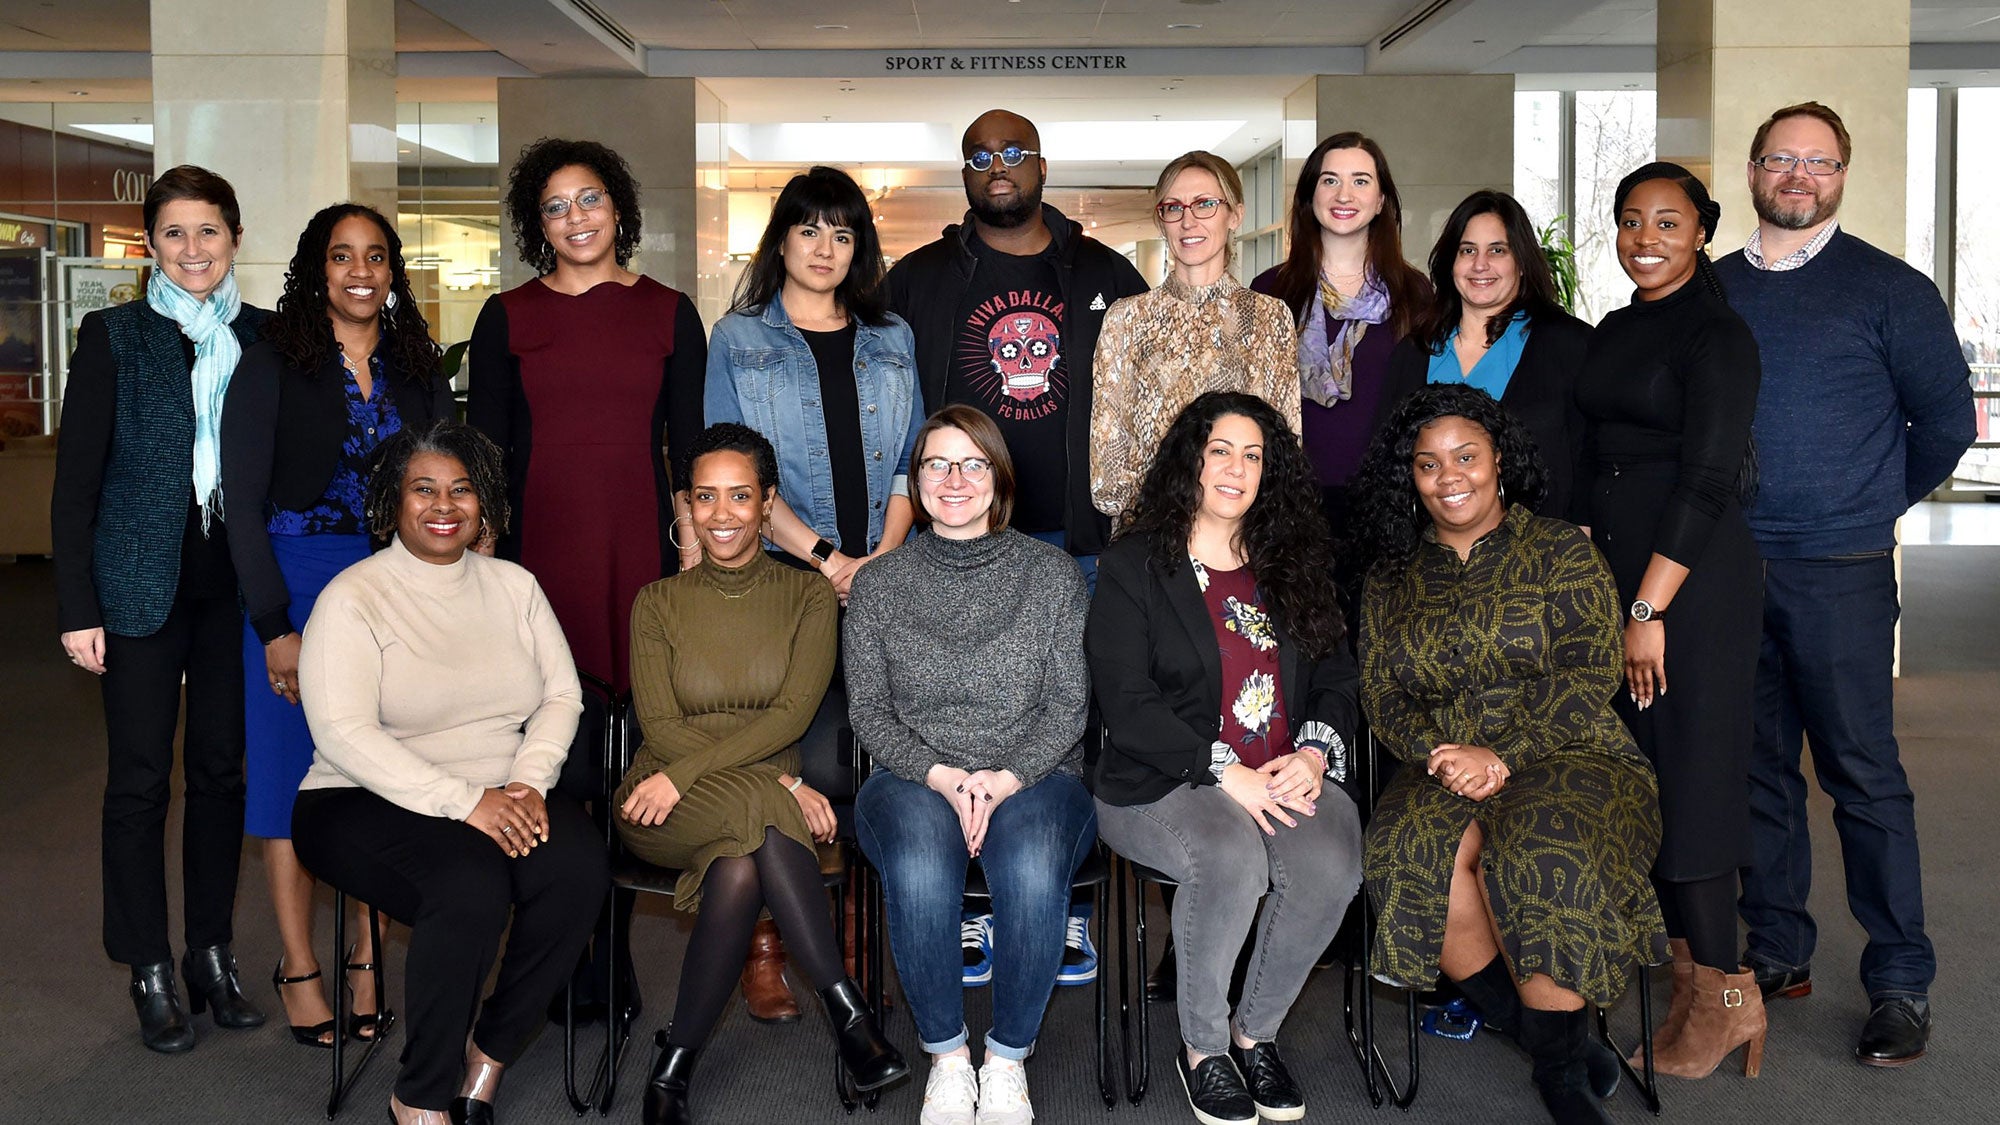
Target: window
{"type": "Point", "coordinates": [1538, 156]}
{"type": "Point", "coordinates": [1614, 135]}
{"type": "Point", "coordinates": [448, 211]}
{"type": "Point", "coordinates": [1975, 277]}
{"type": "Point", "coordinates": [1920, 231]}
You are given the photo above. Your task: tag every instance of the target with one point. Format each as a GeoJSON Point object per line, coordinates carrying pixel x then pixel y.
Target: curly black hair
{"type": "Point", "coordinates": [1386, 517]}
{"type": "Point", "coordinates": [734, 437]}
{"type": "Point", "coordinates": [530, 174]}
{"type": "Point", "coordinates": [470, 448]}
{"type": "Point", "coordinates": [1283, 534]}
{"type": "Point", "coordinates": [299, 328]}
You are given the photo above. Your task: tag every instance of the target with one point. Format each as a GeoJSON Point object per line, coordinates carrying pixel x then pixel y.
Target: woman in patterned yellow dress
{"type": "Point", "coordinates": [1511, 852]}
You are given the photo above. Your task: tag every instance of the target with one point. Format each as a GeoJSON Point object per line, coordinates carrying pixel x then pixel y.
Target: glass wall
{"type": "Point", "coordinates": [1920, 190]}
{"type": "Point", "coordinates": [1538, 155]}
{"type": "Point", "coordinates": [1975, 279]}
{"type": "Point", "coordinates": [1570, 151]}
{"type": "Point", "coordinates": [448, 212]}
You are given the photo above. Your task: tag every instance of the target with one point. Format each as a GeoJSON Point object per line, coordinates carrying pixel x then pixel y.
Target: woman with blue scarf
{"type": "Point", "coordinates": [146, 596]}
{"type": "Point", "coordinates": [1496, 324]}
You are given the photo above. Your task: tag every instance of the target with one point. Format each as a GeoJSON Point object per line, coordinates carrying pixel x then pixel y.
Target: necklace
{"type": "Point", "coordinates": [744, 593]}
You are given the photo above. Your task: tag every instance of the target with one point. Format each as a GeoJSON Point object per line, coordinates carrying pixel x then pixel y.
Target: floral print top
{"type": "Point", "coordinates": [1253, 712]}
{"type": "Point", "coordinates": [370, 422]}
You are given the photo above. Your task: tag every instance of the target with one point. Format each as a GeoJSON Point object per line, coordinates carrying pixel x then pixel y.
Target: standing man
{"type": "Point", "coordinates": [1865, 408]}
{"type": "Point", "coordinates": [1005, 307]}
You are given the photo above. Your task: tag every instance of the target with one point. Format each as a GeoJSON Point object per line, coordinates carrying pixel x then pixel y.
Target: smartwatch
{"type": "Point", "coordinates": [822, 551]}
{"type": "Point", "coordinates": [1642, 610]}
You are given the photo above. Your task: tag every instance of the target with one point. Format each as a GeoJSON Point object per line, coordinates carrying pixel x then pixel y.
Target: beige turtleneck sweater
{"type": "Point", "coordinates": [427, 684]}
{"type": "Point", "coordinates": [1161, 350]}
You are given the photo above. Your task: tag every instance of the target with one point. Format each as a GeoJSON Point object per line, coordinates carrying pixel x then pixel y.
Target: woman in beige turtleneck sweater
{"type": "Point", "coordinates": [442, 702]}
{"type": "Point", "coordinates": [1200, 331]}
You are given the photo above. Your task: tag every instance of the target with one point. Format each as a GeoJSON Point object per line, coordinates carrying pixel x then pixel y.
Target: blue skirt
{"type": "Point", "coordinates": [278, 747]}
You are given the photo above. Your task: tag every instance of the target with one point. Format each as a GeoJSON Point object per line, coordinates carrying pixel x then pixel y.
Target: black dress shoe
{"type": "Point", "coordinates": [872, 1060]}
{"type": "Point", "coordinates": [1215, 1091]}
{"type": "Point", "coordinates": [1276, 1096]}
{"type": "Point", "coordinates": [163, 1022]}
{"type": "Point", "coordinates": [470, 1111]}
{"type": "Point", "coordinates": [1782, 984]}
{"type": "Point", "coordinates": [213, 983]}
{"type": "Point", "coordinates": [1896, 1032]}
{"type": "Point", "coordinates": [1163, 983]}
{"type": "Point", "coordinates": [667, 1087]}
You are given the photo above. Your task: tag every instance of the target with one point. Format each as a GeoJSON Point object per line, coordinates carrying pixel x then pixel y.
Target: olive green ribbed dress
{"type": "Point", "coordinates": [728, 668]}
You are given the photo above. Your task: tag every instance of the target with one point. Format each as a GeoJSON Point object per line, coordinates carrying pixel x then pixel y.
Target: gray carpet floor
{"type": "Point", "coordinates": [69, 1052]}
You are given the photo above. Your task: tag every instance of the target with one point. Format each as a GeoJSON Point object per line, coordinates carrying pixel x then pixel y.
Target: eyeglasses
{"type": "Point", "coordinates": [937, 469]}
{"type": "Point", "coordinates": [1011, 156]}
{"type": "Point", "coordinates": [590, 199]}
{"type": "Point", "coordinates": [1779, 163]}
{"type": "Point", "coordinates": [1172, 209]}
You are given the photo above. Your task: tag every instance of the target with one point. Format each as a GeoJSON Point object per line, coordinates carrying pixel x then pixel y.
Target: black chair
{"type": "Point", "coordinates": [631, 875]}
{"type": "Point", "coordinates": [385, 1020]}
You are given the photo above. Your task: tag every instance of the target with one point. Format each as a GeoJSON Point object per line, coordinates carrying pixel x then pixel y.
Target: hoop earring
{"type": "Point", "coordinates": [674, 533]}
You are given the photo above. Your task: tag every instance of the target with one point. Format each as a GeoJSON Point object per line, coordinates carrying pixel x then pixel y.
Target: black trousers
{"type": "Point", "coordinates": [203, 639]}
{"type": "Point", "coordinates": [455, 889]}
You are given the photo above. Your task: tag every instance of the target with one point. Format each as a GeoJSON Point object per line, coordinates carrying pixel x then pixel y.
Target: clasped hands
{"type": "Point", "coordinates": [1288, 781]}
{"type": "Point", "coordinates": [973, 795]}
{"type": "Point", "coordinates": [513, 816]}
{"type": "Point", "coordinates": [654, 798]}
{"type": "Point", "coordinates": [1472, 772]}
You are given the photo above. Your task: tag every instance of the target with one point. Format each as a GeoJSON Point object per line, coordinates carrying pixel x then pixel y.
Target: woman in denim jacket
{"type": "Point", "coordinates": [810, 357]}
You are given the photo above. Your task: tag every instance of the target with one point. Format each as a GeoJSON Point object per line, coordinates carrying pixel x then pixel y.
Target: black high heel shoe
{"type": "Point", "coordinates": [871, 1060]}
{"type": "Point", "coordinates": [212, 983]}
{"type": "Point", "coordinates": [362, 1026]}
{"type": "Point", "coordinates": [304, 1035]}
{"type": "Point", "coordinates": [163, 1022]}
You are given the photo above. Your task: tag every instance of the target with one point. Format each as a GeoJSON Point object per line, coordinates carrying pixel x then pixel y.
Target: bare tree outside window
{"type": "Point", "coordinates": [1615, 133]}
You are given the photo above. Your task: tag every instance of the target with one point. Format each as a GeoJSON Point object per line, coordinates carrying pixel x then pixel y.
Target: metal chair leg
{"type": "Point", "coordinates": [1135, 1091]}
{"type": "Point", "coordinates": [385, 1017]}
{"type": "Point", "coordinates": [1646, 1080]}
{"type": "Point", "coordinates": [1104, 1081]}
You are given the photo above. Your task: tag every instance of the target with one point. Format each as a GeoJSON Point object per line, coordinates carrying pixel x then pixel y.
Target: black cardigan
{"type": "Point", "coordinates": [1541, 395]}
{"type": "Point", "coordinates": [282, 429]}
{"type": "Point", "coordinates": [1157, 671]}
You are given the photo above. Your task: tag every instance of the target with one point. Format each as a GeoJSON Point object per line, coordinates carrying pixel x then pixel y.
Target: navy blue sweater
{"type": "Point", "coordinates": [1866, 403]}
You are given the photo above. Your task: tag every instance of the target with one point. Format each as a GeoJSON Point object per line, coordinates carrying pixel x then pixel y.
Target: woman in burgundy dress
{"type": "Point", "coordinates": [580, 376]}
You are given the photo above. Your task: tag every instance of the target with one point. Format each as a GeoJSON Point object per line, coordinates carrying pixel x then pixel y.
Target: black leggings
{"type": "Point", "coordinates": [781, 875]}
{"type": "Point", "coordinates": [1703, 911]}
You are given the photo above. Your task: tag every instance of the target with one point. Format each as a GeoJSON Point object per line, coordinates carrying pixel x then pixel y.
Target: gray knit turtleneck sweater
{"type": "Point", "coordinates": [969, 653]}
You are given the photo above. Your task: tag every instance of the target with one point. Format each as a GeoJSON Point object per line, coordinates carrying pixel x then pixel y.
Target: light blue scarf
{"type": "Point", "coordinates": [216, 351]}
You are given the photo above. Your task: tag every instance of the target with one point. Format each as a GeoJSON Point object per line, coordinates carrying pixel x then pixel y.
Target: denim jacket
{"type": "Point", "coordinates": [761, 374]}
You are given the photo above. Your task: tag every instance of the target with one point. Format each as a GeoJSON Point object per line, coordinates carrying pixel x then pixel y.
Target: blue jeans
{"type": "Point", "coordinates": [1825, 673]}
{"type": "Point", "coordinates": [1034, 844]}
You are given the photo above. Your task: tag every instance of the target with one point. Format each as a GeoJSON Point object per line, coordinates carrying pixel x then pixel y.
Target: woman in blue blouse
{"type": "Point", "coordinates": [346, 361]}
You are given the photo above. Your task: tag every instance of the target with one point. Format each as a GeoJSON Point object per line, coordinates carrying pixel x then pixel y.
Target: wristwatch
{"type": "Point", "coordinates": [822, 551]}
{"type": "Point", "coordinates": [1642, 610]}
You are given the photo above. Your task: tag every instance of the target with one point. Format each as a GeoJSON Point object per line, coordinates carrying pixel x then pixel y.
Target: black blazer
{"type": "Point", "coordinates": [1157, 672]}
{"type": "Point", "coordinates": [1541, 394]}
{"type": "Point", "coordinates": [282, 429]}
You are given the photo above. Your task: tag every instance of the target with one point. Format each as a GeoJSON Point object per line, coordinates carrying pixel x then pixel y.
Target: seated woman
{"type": "Point", "coordinates": [1220, 660]}
{"type": "Point", "coordinates": [966, 683]}
{"type": "Point", "coordinates": [729, 661]}
{"type": "Point", "coordinates": [1489, 653]}
{"type": "Point", "coordinates": [442, 702]}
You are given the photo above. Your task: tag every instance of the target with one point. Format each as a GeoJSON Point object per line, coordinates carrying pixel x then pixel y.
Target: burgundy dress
{"type": "Point", "coordinates": [580, 392]}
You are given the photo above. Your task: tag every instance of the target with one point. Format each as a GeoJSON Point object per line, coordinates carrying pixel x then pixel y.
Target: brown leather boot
{"type": "Point", "coordinates": [1726, 1012]}
{"type": "Point", "coordinates": [1677, 1007]}
{"type": "Point", "coordinates": [765, 992]}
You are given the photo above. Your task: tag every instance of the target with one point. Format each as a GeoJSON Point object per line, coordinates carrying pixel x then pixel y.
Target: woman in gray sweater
{"type": "Point", "coordinates": [967, 684]}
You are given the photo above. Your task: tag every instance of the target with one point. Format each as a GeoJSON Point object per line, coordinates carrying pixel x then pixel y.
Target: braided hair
{"type": "Point", "coordinates": [1709, 211]}
{"type": "Point", "coordinates": [299, 327]}
{"type": "Point", "coordinates": [462, 443]}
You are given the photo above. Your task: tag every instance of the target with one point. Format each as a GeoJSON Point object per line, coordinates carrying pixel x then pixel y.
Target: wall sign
{"type": "Point", "coordinates": [996, 64]}
{"type": "Point", "coordinates": [128, 186]}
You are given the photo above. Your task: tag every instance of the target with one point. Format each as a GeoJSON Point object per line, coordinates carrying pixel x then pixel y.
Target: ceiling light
{"type": "Point", "coordinates": [1183, 27]}
{"type": "Point", "coordinates": [79, 93]}
{"type": "Point", "coordinates": [829, 27]}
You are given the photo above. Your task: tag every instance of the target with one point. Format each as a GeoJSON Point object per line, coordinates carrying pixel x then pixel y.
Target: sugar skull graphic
{"type": "Point", "coordinates": [1025, 346]}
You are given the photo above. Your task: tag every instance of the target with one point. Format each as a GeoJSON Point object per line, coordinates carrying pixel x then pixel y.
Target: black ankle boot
{"type": "Point", "coordinates": [667, 1088]}
{"type": "Point", "coordinates": [1163, 984]}
{"type": "Point", "coordinates": [871, 1059]}
{"type": "Point", "coordinates": [212, 983]}
{"type": "Point", "coordinates": [1491, 990]}
{"type": "Point", "coordinates": [163, 1022]}
{"type": "Point", "coordinates": [1557, 1041]}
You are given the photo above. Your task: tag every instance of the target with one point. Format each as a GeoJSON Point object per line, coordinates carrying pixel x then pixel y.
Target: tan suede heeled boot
{"type": "Point", "coordinates": [1727, 1012]}
{"type": "Point", "coordinates": [1677, 1007]}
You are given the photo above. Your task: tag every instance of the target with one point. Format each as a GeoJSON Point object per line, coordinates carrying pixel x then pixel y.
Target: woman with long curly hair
{"type": "Point", "coordinates": [346, 362]}
{"type": "Point", "coordinates": [1510, 851]}
{"type": "Point", "coordinates": [1219, 657]}
{"type": "Point", "coordinates": [580, 376]}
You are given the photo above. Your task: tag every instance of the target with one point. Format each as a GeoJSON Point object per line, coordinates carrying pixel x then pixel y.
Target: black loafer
{"type": "Point", "coordinates": [1782, 984]}
{"type": "Point", "coordinates": [1896, 1032]}
{"type": "Point", "coordinates": [1272, 1090]}
{"type": "Point", "coordinates": [1215, 1091]}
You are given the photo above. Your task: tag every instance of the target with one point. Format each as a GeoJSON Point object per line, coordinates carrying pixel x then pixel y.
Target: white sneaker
{"type": "Point", "coordinates": [950, 1093]}
{"type": "Point", "coordinates": [1003, 1093]}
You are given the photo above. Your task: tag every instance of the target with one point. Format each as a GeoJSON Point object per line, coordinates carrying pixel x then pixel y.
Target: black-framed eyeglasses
{"type": "Point", "coordinates": [1779, 163]}
{"type": "Point", "coordinates": [1011, 156]}
{"type": "Point", "coordinates": [937, 470]}
{"type": "Point", "coordinates": [1203, 208]}
{"type": "Point", "coordinates": [590, 199]}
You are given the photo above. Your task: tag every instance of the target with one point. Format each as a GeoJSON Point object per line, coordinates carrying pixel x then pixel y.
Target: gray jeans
{"type": "Point", "coordinates": [1224, 863]}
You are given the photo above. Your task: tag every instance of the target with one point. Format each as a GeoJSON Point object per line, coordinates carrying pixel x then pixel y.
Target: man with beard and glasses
{"type": "Point", "coordinates": [1005, 307]}
{"type": "Point", "coordinates": [1865, 407]}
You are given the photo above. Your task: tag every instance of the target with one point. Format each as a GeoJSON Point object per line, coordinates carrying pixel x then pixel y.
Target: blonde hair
{"type": "Point", "coordinates": [1225, 176]}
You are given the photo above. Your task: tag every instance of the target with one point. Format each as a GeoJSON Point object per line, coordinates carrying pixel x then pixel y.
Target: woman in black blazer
{"type": "Point", "coordinates": [346, 361]}
{"type": "Point", "coordinates": [146, 595]}
{"type": "Point", "coordinates": [1219, 658]}
{"type": "Point", "coordinates": [1495, 323]}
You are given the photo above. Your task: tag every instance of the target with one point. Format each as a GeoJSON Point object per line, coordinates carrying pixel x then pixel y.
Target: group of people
{"type": "Point", "coordinates": [967, 508]}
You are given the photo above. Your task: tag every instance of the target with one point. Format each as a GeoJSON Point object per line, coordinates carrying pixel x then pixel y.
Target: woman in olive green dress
{"type": "Point", "coordinates": [1511, 851]}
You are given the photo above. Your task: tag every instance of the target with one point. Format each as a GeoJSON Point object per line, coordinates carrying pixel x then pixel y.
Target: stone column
{"type": "Point", "coordinates": [292, 101]}
{"type": "Point", "coordinates": [1724, 65]}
